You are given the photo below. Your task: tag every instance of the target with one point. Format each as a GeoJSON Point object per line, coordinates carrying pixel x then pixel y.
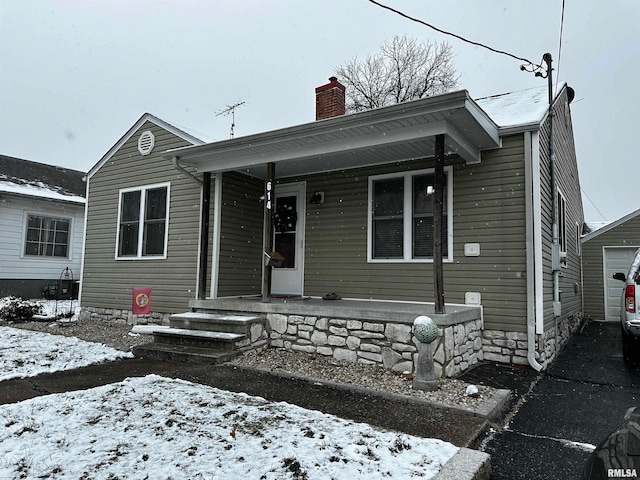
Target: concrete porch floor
{"type": "Point", "coordinates": [401, 312]}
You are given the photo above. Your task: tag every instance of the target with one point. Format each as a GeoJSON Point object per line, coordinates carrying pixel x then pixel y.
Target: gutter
{"type": "Point", "coordinates": [531, 251]}
{"type": "Point", "coordinates": [184, 171]}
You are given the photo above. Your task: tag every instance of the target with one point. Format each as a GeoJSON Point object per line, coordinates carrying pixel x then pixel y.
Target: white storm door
{"type": "Point", "coordinates": [288, 226]}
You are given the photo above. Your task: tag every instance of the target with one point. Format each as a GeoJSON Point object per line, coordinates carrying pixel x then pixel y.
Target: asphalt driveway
{"type": "Point", "coordinates": [580, 400]}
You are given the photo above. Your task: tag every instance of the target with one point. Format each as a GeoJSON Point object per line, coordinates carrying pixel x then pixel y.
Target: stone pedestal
{"type": "Point", "coordinates": [424, 377]}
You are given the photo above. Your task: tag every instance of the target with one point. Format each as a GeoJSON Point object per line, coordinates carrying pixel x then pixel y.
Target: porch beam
{"type": "Point", "coordinates": [267, 233]}
{"type": "Point", "coordinates": [204, 235]}
{"type": "Point", "coordinates": [438, 276]}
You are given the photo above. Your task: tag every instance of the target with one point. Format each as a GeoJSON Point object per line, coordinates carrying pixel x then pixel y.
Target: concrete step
{"type": "Point", "coordinates": [217, 322]}
{"type": "Point", "coordinates": [183, 353]}
{"type": "Point", "coordinates": [165, 335]}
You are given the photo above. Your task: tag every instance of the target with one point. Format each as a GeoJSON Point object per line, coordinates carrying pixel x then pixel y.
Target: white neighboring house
{"type": "Point", "coordinates": [41, 226]}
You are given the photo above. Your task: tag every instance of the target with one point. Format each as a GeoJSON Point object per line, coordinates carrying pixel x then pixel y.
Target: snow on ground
{"type": "Point", "coordinates": [25, 353]}
{"type": "Point", "coordinates": [158, 428]}
{"type": "Point", "coordinates": [155, 427]}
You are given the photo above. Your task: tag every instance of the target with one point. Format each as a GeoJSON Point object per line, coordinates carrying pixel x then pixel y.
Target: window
{"type": "Point", "coordinates": [47, 236]}
{"type": "Point", "coordinates": [143, 222]}
{"type": "Point", "coordinates": [401, 218]}
{"type": "Point", "coordinates": [562, 222]}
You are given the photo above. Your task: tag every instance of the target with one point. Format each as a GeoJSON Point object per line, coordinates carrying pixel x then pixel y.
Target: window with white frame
{"type": "Point", "coordinates": [143, 222]}
{"type": "Point", "coordinates": [562, 222]}
{"type": "Point", "coordinates": [401, 216]}
{"type": "Point", "coordinates": [47, 236]}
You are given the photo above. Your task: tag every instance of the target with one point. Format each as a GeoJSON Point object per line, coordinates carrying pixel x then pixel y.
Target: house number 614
{"type": "Point", "coordinates": [268, 195]}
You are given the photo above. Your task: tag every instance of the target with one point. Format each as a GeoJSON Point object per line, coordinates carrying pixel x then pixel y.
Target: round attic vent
{"type": "Point", "coordinates": [146, 142]}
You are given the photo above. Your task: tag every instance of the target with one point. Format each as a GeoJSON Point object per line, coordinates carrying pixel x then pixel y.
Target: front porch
{"type": "Point", "coordinates": [376, 332]}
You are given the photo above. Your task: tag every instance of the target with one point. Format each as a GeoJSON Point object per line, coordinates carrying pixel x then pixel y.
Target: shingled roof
{"type": "Point", "coordinates": [25, 173]}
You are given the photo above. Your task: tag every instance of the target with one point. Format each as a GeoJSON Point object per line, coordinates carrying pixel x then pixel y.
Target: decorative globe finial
{"type": "Point", "coordinates": [425, 329]}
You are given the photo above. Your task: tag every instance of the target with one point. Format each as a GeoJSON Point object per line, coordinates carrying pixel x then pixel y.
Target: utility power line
{"type": "Point", "coordinates": [530, 67]}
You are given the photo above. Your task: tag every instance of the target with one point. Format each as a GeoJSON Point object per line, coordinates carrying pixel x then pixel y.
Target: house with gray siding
{"type": "Point", "coordinates": [42, 223]}
{"type": "Point", "coordinates": [605, 251]}
{"type": "Point", "coordinates": [335, 234]}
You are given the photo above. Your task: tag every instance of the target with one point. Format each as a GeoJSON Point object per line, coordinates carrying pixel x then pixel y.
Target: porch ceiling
{"type": "Point", "coordinates": [396, 133]}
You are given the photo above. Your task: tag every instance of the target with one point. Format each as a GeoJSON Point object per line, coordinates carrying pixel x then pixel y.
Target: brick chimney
{"type": "Point", "coordinates": [330, 99]}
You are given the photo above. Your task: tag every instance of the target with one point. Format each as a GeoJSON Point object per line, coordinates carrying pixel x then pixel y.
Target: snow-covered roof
{"type": "Point", "coordinates": [33, 179]}
{"type": "Point", "coordinates": [523, 107]}
{"type": "Point", "coordinates": [598, 228]}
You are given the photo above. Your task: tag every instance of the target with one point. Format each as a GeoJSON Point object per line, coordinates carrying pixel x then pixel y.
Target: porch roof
{"type": "Point", "coordinates": [398, 132]}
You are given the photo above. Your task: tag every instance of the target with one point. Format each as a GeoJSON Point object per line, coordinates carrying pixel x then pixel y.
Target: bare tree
{"type": "Point", "coordinates": [404, 69]}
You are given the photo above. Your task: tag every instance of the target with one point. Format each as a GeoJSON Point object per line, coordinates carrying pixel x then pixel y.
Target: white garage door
{"type": "Point", "coordinates": [616, 259]}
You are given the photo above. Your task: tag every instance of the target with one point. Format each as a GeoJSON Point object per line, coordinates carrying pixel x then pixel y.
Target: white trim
{"type": "Point", "coordinates": [215, 247]}
{"type": "Point", "coordinates": [530, 256]}
{"type": "Point", "coordinates": [407, 216]}
{"type": "Point", "coordinates": [608, 227]}
{"type": "Point", "coordinates": [336, 141]}
{"type": "Point", "coordinates": [537, 233]}
{"type": "Point", "coordinates": [143, 189]}
{"type": "Point", "coordinates": [45, 214]}
{"type": "Point", "coordinates": [300, 190]}
{"type": "Point", "coordinates": [147, 117]}
{"type": "Point", "coordinates": [562, 221]}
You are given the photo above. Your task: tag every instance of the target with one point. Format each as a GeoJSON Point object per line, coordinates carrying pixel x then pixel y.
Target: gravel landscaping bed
{"type": "Point", "coordinates": [450, 391]}
{"type": "Point", "coordinates": [117, 334]}
{"type": "Point", "coordinates": [113, 333]}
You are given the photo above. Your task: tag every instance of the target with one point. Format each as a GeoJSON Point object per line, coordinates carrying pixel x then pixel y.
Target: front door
{"type": "Point", "coordinates": [288, 223]}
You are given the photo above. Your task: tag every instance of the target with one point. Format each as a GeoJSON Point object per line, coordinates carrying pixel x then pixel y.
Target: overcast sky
{"type": "Point", "coordinates": [75, 75]}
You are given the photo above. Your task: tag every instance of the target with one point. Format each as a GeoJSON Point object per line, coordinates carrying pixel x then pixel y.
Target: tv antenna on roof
{"type": "Point", "coordinates": [231, 109]}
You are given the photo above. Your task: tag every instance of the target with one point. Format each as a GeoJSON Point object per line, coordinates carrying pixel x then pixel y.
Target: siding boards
{"type": "Point", "coordinates": [240, 261]}
{"type": "Point", "coordinates": [568, 183]}
{"type": "Point", "coordinates": [488, 207]}
{"type": "Point", "coordinates": [626, 234]}
{"type": "Point", "coordinates": [108, 283]}
{"type": "Point", "coordinates": [13, 264]}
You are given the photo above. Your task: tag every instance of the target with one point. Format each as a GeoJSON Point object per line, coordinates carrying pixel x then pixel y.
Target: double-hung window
{"type": "Point", "coordinates": [401, 216]}
{"type": "Point", "coordinates": [47, 236]}
{"type": "Point", "coordinates": [143, 221]}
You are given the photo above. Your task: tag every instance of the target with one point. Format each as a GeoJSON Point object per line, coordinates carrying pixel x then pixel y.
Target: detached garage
{"type": "Point", "coordinates": [605, 251]}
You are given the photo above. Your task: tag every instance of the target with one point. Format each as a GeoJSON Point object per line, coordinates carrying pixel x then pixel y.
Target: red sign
{"type": "Point", "coordinates": [142, 301]}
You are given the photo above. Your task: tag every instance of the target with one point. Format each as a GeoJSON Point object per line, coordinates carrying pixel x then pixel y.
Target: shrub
{"type": "Point", "coordinates": [16, 309]}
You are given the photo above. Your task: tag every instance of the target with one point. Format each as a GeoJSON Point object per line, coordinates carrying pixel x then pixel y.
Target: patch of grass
{"type": "Point", "coordinates": [371, 455]}
{"type": "Point", "coordinates": [399, 445]}
{"type": "Point", "coordinates": [295, 468]}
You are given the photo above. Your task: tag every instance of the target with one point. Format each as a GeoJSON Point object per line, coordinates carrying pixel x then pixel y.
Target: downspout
{"type": "Point", "coordinates": [84, 238]}
{"type": "Point", "coordinates": [205, 185]}
{"type": "Point", "coordinates": [530, 253]}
